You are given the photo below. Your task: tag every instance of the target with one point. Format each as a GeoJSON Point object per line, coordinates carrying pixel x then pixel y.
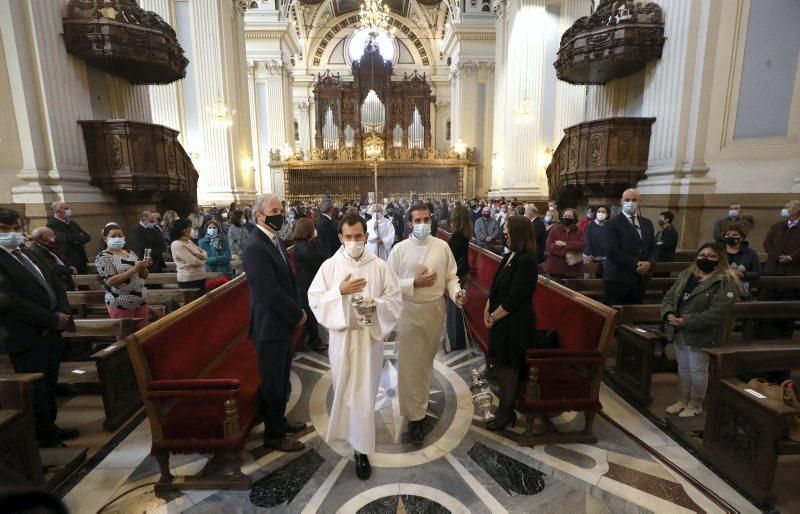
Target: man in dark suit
{"type": "Point", "coordinates": [327, 233]}
{"type": "Point", "coordinates": [667, 238]}
{"type": "Point", "coordinates": [630, 253]}
{"type": "Point", "coordinates": [45, 249]}
{"type": "Point", "coordinates": [275, 312]}
{"type": "Point", "coordinates": [40, 311]}
{"type": "Point", "coordinates": [532, 213]}
{"type": "Point", "coordinates": [71, 238]}
{"type": "Point", "coordinates": [144, 235]}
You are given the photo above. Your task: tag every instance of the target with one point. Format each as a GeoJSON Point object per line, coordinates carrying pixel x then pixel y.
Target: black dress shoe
{"type": "Point", "coordinates": [363, 468]}
{"type": "Point", "coordinates": [294, 426]}
{"type": "Point", "coordinates": [283, 444]}
{"type": "Point", "coordinates": [416, 431]}
{"type": "Point", "coordinates": [65, 434]}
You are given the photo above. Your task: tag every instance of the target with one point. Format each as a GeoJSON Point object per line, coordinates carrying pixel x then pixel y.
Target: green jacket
{"type": "Point", "coordinates": [704, 313]}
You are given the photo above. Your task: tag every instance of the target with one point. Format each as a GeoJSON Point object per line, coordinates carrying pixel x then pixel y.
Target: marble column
{"type": "Point", "coordinates": [499, 104]}
{"type": "Point", "coordinates": [127, 101]}
{"type": "Point", "coordinates": [304, 126]}
{"type": "Point", "coordinates": [485, 154]}
{"type": "Point", "coordinates": [442, 115]}
{"type": "Point", "coordinates": [524, 31]}
{"type": "Point", "coordinates": [166, 100]}
{"type": "Point", "coordinates": [675, 96]}
{"type": "Point", "coordinates": [218, 43]}
{"type": "Point", "coordinates": [464, 98]}
{"type": "Point", "coordinates": [570, 98]}
{"type": "Point", "coordinates": [275, 74]}
{"type": "Point", "coordinates": [50, 92]}
{"type": "Point", "coordinates": [607, 100]}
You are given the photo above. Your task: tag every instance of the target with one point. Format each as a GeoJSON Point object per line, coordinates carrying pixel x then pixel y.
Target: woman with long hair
{"type": "Point", "coordinates": [461, 233]}
{"type": "Point", "coordinates": [509, 314]}
{"type": "Point", "coordinates": [695, 311]}
{"type": "Point", "coordinates": [308, 257]}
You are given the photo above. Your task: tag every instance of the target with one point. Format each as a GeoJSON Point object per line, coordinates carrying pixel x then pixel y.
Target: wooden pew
{"type": "Point", "coordinates": [160, 279]}
{"type": "Point", "coordinates": [743, 435]}
{"type": "Point", "coordinates": [633, 370]}
{"type": "Point", "coordinates": [81, 299]}
{"type": "Point", "coordinates": [18, 444]}
{"type": "Point", "coordinates": [171, 267]}
{"type": "Point", "coordinates": [115, 376]}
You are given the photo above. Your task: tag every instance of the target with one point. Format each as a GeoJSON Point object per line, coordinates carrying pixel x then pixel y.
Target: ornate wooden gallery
{"type": "Point", "coordinates": [137, 162]}
{"type": "Point", "coordinates": [601, 158]}
{"type": "Point", "coordinates": [373, 132]}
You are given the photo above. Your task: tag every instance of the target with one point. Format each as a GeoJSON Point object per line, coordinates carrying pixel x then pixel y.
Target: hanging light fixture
{"type": "Point", "coordinates": [523, 113]}
{"type": "Point", "coordinates": [373, 146]}
{"type": "Point", "coordinates": [374, 17]}
{"type": "Point", "coordinates": [221, 115]}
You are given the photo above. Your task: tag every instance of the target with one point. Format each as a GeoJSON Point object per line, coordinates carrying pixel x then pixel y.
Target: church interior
{"type": "Point", "coordinates": [182, 119]}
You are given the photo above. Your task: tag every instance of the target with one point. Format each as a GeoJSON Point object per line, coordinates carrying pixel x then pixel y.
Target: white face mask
{"type": "Point", "coordinates": [315, 233]}
{"type": "Point", "coordinates": [354, 249]}
{"type": "Point", "coordinates": [116, 243]}
{"type": "Point", "coordinates": [600, 216]}
{"type": "Point", "coordinates": [630, 207]}
{"type": "Point", "coordinates": [11, 240]}
{"type": "Point", "coordinates": [422, 231]}
{"type": "Point", "coordinates": [733, 213]}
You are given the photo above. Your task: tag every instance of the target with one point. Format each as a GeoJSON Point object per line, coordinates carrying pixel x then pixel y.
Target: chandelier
{"type": "Point", "coordinates": [221, 115]}
{"type": "Point", "coordinates": [374, 17]}
{"type": "Point", "coordinates": [524, 112]}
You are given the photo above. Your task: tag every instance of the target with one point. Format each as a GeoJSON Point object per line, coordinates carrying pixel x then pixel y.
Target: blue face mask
{"type": "Point", "coordinates": [630, 207]}
{"type": "Point", "coordinates": [212, 232]}
{"type": "Point", "coordinates": [548, 219]}
{"type": "Point", "coordinates": [68, 213]}
{"type": "Point", "coordinates": [422, 231]}
{"type": "Point", "coordinates": [11, 240]}
{"type": "Point", "coordinates": [116, 243]}
{"type": "Point", "coordinates": [784, 213]}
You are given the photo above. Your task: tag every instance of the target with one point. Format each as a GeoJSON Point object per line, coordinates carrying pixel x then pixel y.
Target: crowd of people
{"type": "Point", "coordinates": [387, 252]}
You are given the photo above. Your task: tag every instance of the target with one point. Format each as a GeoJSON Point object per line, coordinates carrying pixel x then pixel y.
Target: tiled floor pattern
{"type": "Point", "coordinates": [461, 467]}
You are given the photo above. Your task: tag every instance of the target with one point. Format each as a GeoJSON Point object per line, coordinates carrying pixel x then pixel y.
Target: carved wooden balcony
{"type": "Point", "coordinates": [618, 39]}
{"type": "Point", "coordinates": [599, 158]}
{"type": "Point", "coordinates": [139, 162]}
{"type": "Point", "coordinates": [122, 39]}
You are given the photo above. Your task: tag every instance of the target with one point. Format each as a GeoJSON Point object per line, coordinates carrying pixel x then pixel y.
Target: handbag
{"type": "Point", "coordinates": [573, 257]}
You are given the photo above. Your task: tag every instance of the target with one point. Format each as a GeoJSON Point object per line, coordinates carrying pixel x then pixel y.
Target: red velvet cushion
{"type": "Point", "coordinates": [186, 347]}
{"type": "Point", "coordinates": [579, 328]}
{"type": "Point", "coordinates": [203, 418]}
{"type": "Point", "coordinates": [240, 362]}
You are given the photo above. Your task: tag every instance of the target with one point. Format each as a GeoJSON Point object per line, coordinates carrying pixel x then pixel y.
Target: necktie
{"type": "Point", "coordinates": [636, 225]}
{"type": "Point", "coordinates": [38, 275]}
{"type": "Point", "coordinates": [277, 243]}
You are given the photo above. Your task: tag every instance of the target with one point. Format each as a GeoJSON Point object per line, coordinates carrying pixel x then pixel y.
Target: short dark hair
{"type": "Point", "coordinates": [178, 227]}
{"type": "Point", "coordinates": [9, 216]}
{"type": "Point", "coordinates": [668, 215]}
{"type": "Point", "coordinates": [350, 219]}
{"type": "Point", "coordinates": [108, 228]}
{"type": "Point", "coordinates": [738, 227]}
{"type": "Point", "coordinates": [522, 234]}
{"type": "Point", "coordinates": [418, 207]}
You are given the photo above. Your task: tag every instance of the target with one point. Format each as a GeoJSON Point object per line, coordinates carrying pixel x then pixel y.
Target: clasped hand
{"type": "Point", "coordinates": [425, 278]}
{"type": "Point", "coordinates": [675, 321]}
{"type": "Point", "coordinates": [643, 267]}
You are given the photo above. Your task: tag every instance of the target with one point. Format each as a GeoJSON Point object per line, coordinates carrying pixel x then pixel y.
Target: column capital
{"type": "Point", "coordinates": [443, 104]}
{"type": "Point", "coordinates": [490, 67]}
{"type": "Point", "coordinates": [499, 8]}
{"type": "Point", "coordinates": [302, 107]}
{"type": "Point", "coordinates": [463, 68]}
{"type": "Point", "coordinates": [240, 6]}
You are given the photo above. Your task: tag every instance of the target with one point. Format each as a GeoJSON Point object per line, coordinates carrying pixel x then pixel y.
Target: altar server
{"type": "Point", "coordinates": [355, 351]}
{"type": "Point", "coordinates": [426, 269]}
{"type": "Point", "coordinates": [380, 233]}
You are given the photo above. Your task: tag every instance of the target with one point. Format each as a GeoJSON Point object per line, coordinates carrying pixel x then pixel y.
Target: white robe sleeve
{"type": "Point", "coordinates": [389, 305]}
{"type": "Point", "coordinates": [451, 275]}
{"type": "Point", "coordinates": [388, 235]}
{"type": "Point", "coordinates": [326, 301]}
{"type": "Point", "coordinates": [406, 284]}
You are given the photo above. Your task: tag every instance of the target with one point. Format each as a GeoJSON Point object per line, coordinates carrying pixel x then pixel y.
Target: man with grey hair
{"type": "Point", "coordinates": [144, 235]}
{"type": "Point", "coordinates": [327, 229]}
{"type": "Point", "coordinates": [70, 237]}
{"type": "Point", "coordinates": [275, 312]}
{"type": "Point", "coordinates": [782, 245]}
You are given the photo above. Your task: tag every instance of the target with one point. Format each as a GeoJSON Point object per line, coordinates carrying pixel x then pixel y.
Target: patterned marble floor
{"type": "Point", "coordinates": [460, 468]}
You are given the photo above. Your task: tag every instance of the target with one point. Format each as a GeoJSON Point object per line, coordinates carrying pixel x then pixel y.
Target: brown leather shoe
{"type": "Point", "coordinates": [294, 426]}
{"type": "Point", "coordinates": [283, 444]}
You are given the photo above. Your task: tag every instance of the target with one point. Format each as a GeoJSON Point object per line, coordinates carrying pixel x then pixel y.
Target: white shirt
{"type": "Point", "coordinates": [273, 238]}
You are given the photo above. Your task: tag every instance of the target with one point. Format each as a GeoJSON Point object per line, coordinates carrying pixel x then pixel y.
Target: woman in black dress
{"type": "Point", "coordinates": [461, 227]}
{"type": "Point", "coordinates": [308, 257]}
{"type": "Point", "coordinates": [509, 314]}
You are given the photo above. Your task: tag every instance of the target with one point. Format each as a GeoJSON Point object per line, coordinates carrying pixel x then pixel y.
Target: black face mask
{"type": "Point", "coordinates": [732, 241]}
{"type": "Point", "coordinates": [568, 222]}
{"type": "Point", "coordinates": [274, 222]}
{"type": "Point", "coordinates": [486, 215]}
{"type": "Point", "coordinates": [661, 223]}
{"type": "Point", "coordinates": [706, 265]}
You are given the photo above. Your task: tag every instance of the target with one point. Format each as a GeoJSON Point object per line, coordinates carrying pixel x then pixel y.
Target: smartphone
{"type": "Point", "coordinates": [146, 253]}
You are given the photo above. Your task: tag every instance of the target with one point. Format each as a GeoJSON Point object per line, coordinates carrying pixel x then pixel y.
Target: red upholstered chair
{"type": "Point", "coordinates": [566, 378]}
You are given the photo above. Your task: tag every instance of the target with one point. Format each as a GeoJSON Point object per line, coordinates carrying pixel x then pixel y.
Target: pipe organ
{"type": "Point", "coordinates": [398, 111]}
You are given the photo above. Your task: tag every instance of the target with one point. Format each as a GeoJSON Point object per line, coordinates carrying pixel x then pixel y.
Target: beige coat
{"type": "Point", "coordinates": [189, 259]}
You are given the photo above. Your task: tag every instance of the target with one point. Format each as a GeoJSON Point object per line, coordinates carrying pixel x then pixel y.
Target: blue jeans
{"type": "Point", "coordinates": [692, 374]}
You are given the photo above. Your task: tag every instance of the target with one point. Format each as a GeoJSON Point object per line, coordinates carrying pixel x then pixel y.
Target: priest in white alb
{"type": "Point", "coordinates": [427, 270]}
{"type": "Point", "coordinates": [355, 351]}
{"type": "Point", "coordinates": [380, 233]}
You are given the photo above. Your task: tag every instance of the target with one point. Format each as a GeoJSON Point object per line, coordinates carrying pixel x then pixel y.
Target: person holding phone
{"type": "Point", "coordinates": [122, 275]}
